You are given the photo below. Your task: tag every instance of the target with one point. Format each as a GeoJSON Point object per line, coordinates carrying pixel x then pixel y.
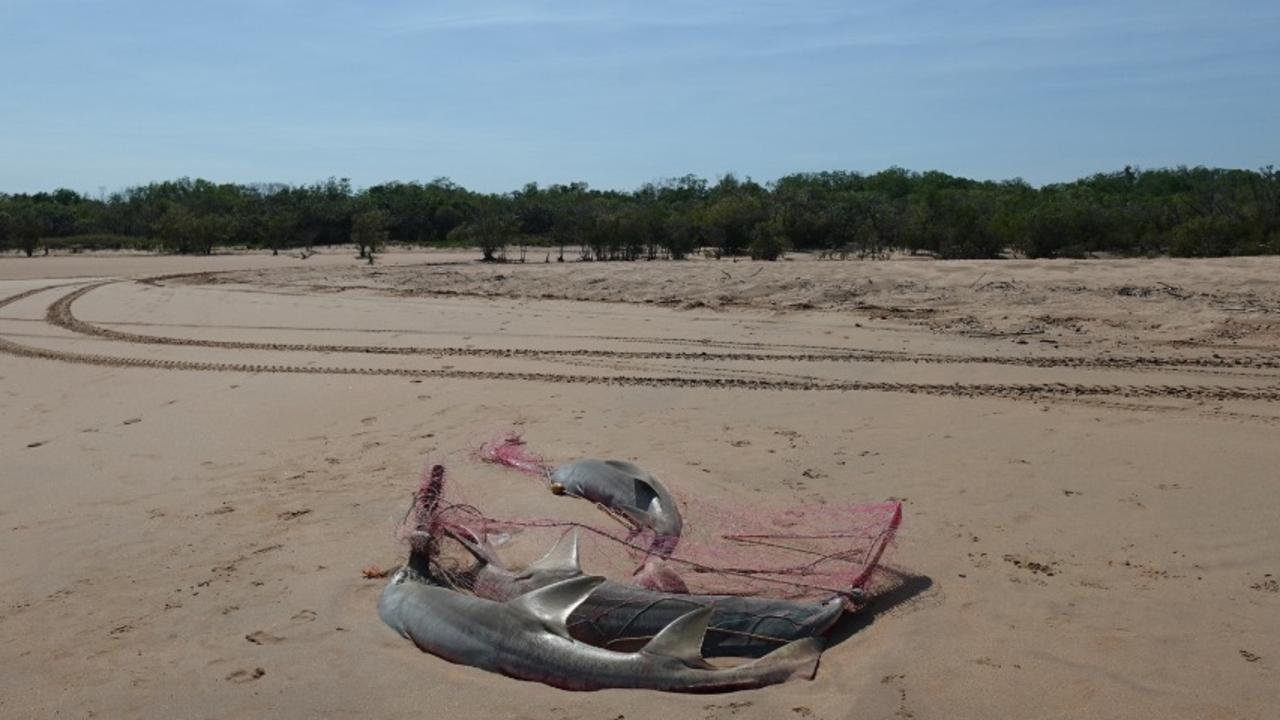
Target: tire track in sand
{"type": "Point", "coordinates": [61, 315]}
{"type": "Point", "coordinates": [60, 309]}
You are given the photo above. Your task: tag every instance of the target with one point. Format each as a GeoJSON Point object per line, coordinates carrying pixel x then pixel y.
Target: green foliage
{"type": "Point", "coordinates": [100, 241]}
{"type": "Point", "coordinates": [1193, 212]}
{"type": "Point", "coordinates": [1206, 236]}
{"type": "Point", "coordinates": [728, 223]}
{"type": "Point", "coordinates": [369, 231]}
{"type": "Point", "coordinates": [768, 241]}
{"type": "Point", "coordinates": [29, 224]}
{"type": "Point", "coordinates": [490, 231]}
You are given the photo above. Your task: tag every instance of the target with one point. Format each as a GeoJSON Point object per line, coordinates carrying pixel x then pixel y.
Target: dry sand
{"type": "Point", "coordinates": [196, 469]}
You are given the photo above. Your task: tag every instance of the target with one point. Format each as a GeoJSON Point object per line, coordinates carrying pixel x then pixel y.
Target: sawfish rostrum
{"type": "Point", "coordinates": [528, 638]}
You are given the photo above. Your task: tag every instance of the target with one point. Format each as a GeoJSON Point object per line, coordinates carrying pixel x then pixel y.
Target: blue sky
{"type": "Point", "coordinates": [99, 94]}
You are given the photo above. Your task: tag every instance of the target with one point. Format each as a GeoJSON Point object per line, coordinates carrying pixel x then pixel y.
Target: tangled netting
{"type": "Point", "coordinates": [764, 548]}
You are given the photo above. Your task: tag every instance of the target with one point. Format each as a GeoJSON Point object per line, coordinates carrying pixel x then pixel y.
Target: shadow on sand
{"type": "Point", "coordinates": [902, 589]}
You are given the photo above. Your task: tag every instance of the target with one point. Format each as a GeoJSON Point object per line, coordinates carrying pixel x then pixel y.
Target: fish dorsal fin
{"type": "Point", "coordinates": [682, 639]}
{"type": "Point", "coordinates": [562, 557]}
{"type": "Point", "coordinates": [552, 605]}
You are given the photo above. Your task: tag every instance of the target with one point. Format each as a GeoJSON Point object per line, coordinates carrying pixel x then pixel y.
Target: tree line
{"type": "Point", "coordinates": [1187, 212]}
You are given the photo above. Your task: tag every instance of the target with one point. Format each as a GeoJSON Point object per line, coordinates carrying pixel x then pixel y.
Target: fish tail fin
{"type": "Point", "coordinates": [797, 659]}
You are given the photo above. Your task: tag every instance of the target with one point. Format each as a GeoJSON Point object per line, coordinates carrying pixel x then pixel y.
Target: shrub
{"type": "Point", "coordinates": [767, 242]}
{"type": "Point", "coordinates": [101, 241]}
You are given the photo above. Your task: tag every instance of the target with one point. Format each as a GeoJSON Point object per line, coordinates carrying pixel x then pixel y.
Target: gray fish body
{"type": "Point", "coordinates": [739, 626]}
{"type": "Point", "coordinates": [626, 489]}
{"type": "Point", "coordinates": [619, 615]}
{"type": "Point", "coordinates": [526, 638]}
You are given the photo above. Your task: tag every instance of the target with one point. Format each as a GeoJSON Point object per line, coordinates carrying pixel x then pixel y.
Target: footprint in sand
{"type": "Point", "coordinates": [244, 676]}
{"type": "Point", "coordinates": [262, 637]}
{"type": "Point", "coordinates": [718, 712]}
{"type": "Point", "coordinates": [1267, 584]}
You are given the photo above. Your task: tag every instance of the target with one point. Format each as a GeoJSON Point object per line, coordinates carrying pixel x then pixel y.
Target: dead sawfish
{"type": "Point", "coordinates": [627, 490]}
{"type": "Point", "coordinates": [616, 614]}
{"type": "Point", "coordinates": [528, 638]}
{"type": "Point", "coordinates": [637, 496]}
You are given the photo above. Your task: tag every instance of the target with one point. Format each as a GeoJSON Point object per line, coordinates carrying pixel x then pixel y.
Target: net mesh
{"type": "Point", "coordinates": [769, 548]}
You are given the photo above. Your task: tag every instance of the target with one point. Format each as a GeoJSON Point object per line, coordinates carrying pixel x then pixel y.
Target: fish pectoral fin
{"type": "Point", "coordinates": [552, 605]}
{"type": "Point", "coordinates": [562, 557]}
{"type": "Point", "coordinates": [682, 638]}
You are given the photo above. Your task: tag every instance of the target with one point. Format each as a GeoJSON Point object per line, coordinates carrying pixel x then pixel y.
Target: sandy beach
{"type": "Point", "coordinates": [201, 454]}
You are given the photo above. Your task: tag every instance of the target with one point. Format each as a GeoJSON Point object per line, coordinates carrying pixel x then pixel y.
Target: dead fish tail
{"type": "Point", "coordinates": [797, 659]}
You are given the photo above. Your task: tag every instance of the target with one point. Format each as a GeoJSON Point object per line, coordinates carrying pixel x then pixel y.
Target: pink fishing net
{"type": "Point", "coordinates": [510, 450]}
{"type": "Point", "coordinates": [768, 548]}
